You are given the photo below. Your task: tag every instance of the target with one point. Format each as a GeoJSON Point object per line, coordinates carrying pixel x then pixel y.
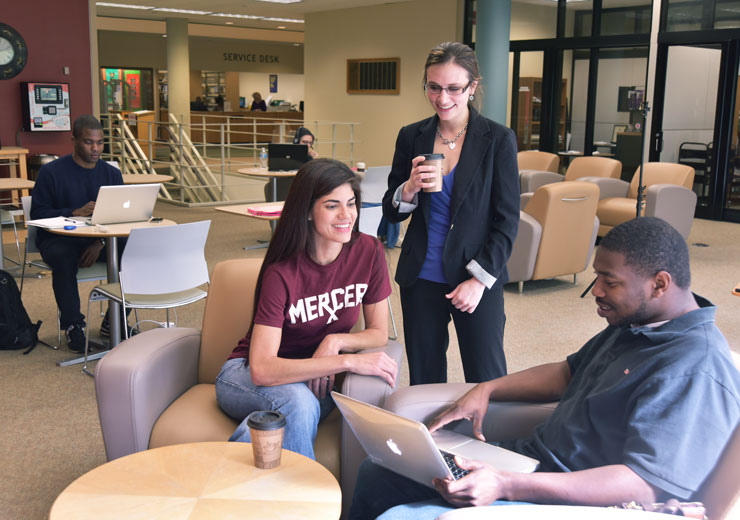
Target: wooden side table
{"type": "Point", "coordinates": [204, 480]}
{"type": "Point", "coordinates": [15, 158]}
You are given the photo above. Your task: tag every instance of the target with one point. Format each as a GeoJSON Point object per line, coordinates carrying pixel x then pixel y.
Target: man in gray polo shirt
{"type": "Point", "coordinates": [645, 407]}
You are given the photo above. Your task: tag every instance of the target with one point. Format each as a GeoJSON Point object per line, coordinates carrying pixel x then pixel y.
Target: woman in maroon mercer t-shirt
{"type": "Point", "coordinates": [319, 271]}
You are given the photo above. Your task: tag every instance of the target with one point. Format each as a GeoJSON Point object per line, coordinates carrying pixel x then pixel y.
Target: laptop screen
{"type": "Point", "coordinates": [286, 157]}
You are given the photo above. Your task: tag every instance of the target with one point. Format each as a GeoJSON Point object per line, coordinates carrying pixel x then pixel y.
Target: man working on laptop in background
{"type": "Point", "coordinates": [645, 407]}
{"type": "Point", "coordinates": [68, 187]}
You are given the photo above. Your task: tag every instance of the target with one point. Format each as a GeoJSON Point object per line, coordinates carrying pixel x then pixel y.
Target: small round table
{"type": "Point", "coordinates": [198, 481]}
{"type": "Point", "coordinates": [132, 178]}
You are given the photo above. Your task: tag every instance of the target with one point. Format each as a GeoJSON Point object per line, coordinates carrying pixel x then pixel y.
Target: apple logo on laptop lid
{"type": "Point", "coordinates": [393, 446]}
{"type": "Point", "coordinates": [127, 204]}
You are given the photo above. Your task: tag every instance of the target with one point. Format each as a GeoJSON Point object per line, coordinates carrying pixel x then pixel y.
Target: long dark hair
{"type": "Point", "coordinates": [294, 233]}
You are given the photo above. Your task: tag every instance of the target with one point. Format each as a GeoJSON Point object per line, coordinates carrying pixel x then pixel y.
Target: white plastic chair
{"type": "Point", "coordinates": [161, 268]}
{"type": "Point", "coordinates": [8, 212]}
{"type": "Point", "coordinates": [96, 272]}
{"type": "Point", "coordinates": [369, 220]}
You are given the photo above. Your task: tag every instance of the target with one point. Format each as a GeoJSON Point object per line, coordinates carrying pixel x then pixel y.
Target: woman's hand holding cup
{"type": "Point", "coordinates": [422, 176]}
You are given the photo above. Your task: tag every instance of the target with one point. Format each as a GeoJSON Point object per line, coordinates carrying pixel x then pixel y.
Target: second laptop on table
{"type": "Point", "coordinates": [123, 203]}
{"type": "Point", "coordinates": [286, 157]}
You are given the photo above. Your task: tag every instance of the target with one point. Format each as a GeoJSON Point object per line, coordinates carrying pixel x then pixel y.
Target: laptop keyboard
{"type": "Point", "coordinates": [457, 471]}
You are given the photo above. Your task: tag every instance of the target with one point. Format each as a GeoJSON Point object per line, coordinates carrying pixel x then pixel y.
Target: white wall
{"type": "Point", "coordinates": [290, 86]}
{"type": "Point", "coordinates": [407, 30]}
{"type": "Point", "coordinates": [613, 73]}
{"type": "Point", "coordinates": [532, 22]}
{"type": "Point", "coordinates": [691, 98]}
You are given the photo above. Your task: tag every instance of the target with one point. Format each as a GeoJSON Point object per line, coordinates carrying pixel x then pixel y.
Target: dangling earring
{"type": "Point", "coordinates": [472, 97]}
{"type": "Point", "coordinates": [309, 219]}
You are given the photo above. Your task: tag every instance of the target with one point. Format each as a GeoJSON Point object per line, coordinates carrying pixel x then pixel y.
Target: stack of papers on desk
{"type": "Point", "coordinates": [266, 211]}
{"type": "Point", "coordinates": [55, 222]}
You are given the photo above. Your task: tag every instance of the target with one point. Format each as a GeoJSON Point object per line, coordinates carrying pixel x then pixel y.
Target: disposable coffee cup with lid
{"type": "Point", "coordinates": [266, 428]}
{"type": "Point", "coordinates": [437, 160]}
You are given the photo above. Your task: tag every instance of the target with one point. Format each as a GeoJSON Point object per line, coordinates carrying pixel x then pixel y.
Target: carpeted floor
{"type": "Point", "coordinates": [49, 431]}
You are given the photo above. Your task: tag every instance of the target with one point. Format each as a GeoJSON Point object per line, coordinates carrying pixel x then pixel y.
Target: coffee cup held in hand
{"type": "Point", "coordinates": [266, 428]}
{"type": "Point", "coordinates": [436, 160]}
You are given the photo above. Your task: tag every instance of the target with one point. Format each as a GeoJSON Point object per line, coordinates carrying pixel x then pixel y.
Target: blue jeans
{"type": "Point", "coordinates": [383, 494]}
{"type": "Point", "coordinates": [238, 397]}
{"type": "Point", "coordinates": [390, 231]}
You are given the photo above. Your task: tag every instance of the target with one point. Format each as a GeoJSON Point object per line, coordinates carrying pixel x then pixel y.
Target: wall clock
{"type": "Point", "coordinates": [13, 52]}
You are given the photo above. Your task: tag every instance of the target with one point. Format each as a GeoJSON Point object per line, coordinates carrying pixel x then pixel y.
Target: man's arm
{"type": "Point", "coordinates": [541, 383]}
{"type": "Point", "coordinates": [603, 486]}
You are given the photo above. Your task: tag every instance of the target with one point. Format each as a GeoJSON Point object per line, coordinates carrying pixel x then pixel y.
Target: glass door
{"type": "Point", "coordinates": [526, 99]}
{"type": "Point", "coordinates": [684, 120]}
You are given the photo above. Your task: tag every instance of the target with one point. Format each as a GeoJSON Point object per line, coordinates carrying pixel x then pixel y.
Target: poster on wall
{"type": "Point", "coordinates": [133, 80]}
{"type": "Point", "coordinates": [273, 83]}
{"type": "Point", "coordinates": [45, 107]}
{"type": "Point", "coordinates": [126, 89]}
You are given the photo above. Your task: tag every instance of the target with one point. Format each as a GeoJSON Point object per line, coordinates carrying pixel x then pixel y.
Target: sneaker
{"type": "Point", "coordinates": [105, 329]}
{"type": "Point", "coordinates": [76, 338]}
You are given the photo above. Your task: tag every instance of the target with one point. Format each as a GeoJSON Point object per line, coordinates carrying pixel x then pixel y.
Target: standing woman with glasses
{"type": "Point", "coordinates": [453, 257]}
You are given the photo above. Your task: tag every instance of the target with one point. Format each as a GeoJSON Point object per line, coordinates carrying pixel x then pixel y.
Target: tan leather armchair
{"type": "Point", "coordinates": [158, 388]}
{"type": "Point", "coordinates": [536, 160]}
{"type": "Point", "coordinates": [669, 196]}
{"type": "Point", "coordinates": [579, 167]}
{"type": "Point", "coordinates": [720, 492]}
{"type": "Point", "coordinates": [557, 232]}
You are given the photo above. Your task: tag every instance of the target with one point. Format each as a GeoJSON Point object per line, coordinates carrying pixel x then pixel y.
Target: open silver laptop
{"type": "Point", "coordinates": [406, 447]}
{"type": "Point", "coordinates": [123, 203]}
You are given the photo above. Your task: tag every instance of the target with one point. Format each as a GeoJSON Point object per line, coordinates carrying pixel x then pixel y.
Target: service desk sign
{"type": "Point", "coordinates": [46, 107]}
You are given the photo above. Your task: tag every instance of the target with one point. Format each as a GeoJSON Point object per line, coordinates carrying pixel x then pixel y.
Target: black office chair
{"type": "Point", "coordinates": [697, 155]}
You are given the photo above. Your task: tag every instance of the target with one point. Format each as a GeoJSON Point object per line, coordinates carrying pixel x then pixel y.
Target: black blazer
{"type": "Point", "coordinates": [484, 209]}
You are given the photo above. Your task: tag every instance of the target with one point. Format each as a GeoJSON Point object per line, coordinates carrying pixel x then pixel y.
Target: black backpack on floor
{"type": "Point", "coordinates": [16, 329]}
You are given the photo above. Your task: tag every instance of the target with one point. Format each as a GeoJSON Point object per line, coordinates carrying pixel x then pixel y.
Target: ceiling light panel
{"type": "Point", "coordinates": [289, 20]}
{"type": "Point", "coordinates": [244, 16]}
{"type": "Point", "coordinates": [124, 6]}
{"type": "Point", "coordinates": [180, 11]}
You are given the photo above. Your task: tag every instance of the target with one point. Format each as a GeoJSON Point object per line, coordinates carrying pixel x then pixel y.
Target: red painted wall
{"type": "Point", "coordinates": [57, 35]}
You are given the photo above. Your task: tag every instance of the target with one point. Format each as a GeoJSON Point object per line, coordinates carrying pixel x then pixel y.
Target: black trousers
{"type": "Point", "coordinates": [283, 187]}
{"type": "Point", "coordinates": [480, 335]}
{"type": "Point", "coordinates": [63, 254]}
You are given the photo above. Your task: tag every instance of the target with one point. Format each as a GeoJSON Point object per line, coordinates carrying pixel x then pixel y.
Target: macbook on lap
{"type": "Point", "coordinates": [123, 203]}
{"type": "Point", "coordinates": [406, 447]}
{"type": "Point", "coordinates": [286, 157]}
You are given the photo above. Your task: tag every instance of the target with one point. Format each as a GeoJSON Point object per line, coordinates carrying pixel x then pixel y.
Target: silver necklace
{"type": "Point", "coordinates": [451, 143]}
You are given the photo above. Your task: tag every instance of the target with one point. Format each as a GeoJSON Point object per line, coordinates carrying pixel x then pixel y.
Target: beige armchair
{"type": "Point", "coordinates": [536, 160]}
{"type": "Point", "coordinates": [158, 388]}
{"type": "Point", "coordinates": [579, 167]}
{"type": "Point", "coordinates": [669, 196]}
{"type": "Point", "coordinates": [720, 492]}
{"type": "Point", "coordinates": [557, 232]}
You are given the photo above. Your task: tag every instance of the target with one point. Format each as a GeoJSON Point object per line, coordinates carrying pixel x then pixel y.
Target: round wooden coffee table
{"type": "Point", "coordinates": [202, 480]}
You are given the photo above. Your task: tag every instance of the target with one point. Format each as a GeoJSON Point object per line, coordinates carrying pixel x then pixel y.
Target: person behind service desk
{"type": "Point", "coordinates": [317, 274]}
{"type": "Point", "coordinates": [453, 258]}
{"type": "Point", "coordinates": [258, 103]}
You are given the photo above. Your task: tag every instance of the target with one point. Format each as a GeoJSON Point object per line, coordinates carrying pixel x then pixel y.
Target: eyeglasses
{"type": "Point", "coordinates": [452, 90]}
